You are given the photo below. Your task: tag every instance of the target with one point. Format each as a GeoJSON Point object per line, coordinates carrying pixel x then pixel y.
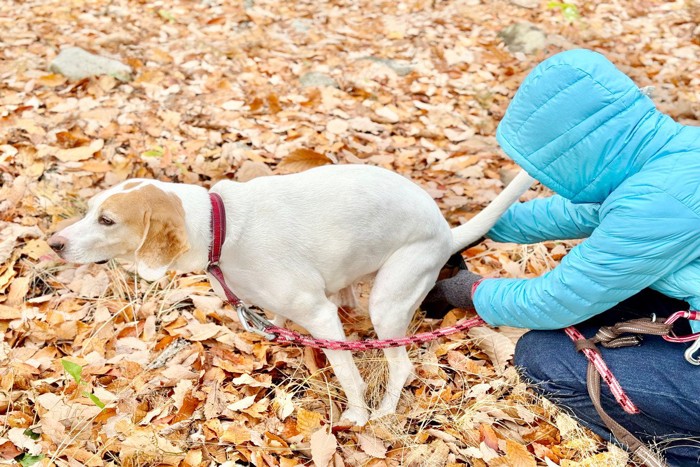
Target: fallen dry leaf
{"type": "Point", "coordinates": [9, 451]}
{"type": "Point", "coordinates": [498, 347]}
{"type": "Point", "coordinates": [252, 169]}
{"type": "Point", "coordinates": [307, 421]}
{"type": "Point", "coordinates": [488, 436]}
{"type": "Point", "coordinates": [302, 159]}
{"type": "Point", "coordinates": [79, 153]}
{"type": "Point", "coordinates": [371, 445]}
{"type": "Point", "coordinates": [517, 455]}
{"type": "Point", "coordinates": [323, 446]}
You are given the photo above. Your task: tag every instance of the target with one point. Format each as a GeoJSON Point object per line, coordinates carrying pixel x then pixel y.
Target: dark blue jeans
{"type": "Point", "coordinates": [655, 375]}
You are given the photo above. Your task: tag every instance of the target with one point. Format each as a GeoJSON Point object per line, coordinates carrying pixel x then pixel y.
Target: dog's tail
{"type": "Point", "coordinates": [480, 224]}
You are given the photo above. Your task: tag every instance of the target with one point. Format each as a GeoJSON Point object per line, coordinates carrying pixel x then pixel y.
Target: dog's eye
{"type": "Point", "coordinates": [104, 220]}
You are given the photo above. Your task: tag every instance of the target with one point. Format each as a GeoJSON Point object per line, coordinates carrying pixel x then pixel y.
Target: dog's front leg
{"type": "Point", "coordinates": [352, 383]}
{"type": "Point", "coordinates": [324, 323]}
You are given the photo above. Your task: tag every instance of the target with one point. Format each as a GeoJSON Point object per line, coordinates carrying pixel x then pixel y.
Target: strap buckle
{"type": "Point", "coordinates": [254, 322]}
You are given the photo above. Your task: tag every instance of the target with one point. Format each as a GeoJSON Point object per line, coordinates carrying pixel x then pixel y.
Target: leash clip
{"type": "Point", "coordinates": [689, 315]}
{"type": "Point", "coordinates": [690, 353]}
{"type": "Point", "coordinates": [254, 322]}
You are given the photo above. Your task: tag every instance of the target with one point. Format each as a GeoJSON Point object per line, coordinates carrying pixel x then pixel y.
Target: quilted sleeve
{"type": "Point", "coordinates": [553, 218]}
{"type": "Point", "coordinates": [641, 239]}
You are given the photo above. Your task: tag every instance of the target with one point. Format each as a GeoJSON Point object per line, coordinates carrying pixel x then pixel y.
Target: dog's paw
{"type": "Point", "coordinates": [355, 416]}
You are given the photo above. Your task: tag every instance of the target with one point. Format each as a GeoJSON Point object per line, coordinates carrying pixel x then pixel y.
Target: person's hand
{"type": "Point", "coordinates": [455, 292]}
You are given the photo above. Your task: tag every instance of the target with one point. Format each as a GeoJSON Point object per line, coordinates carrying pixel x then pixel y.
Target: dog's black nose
{"type": "Point", "coordinates": [57, 243]}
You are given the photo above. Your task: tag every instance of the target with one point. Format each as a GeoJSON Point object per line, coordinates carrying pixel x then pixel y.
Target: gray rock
{"type": "Point", "coordinates": [316, 79]}
{"type": "Point", "coordinates": [400, 67]}
{"type": "Point", "coordinates": [76, 63]}
{"type": "Point", "coordinates": [523, 37]}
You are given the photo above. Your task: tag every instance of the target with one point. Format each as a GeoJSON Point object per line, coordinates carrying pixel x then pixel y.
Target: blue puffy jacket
{"type": "Point", "coordinates": [627, 177]}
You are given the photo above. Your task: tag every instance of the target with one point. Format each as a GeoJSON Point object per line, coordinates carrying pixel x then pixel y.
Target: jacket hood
{"type": "Point", "coordinates": [581, 126]}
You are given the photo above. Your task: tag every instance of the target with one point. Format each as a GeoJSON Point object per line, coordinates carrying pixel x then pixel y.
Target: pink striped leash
{"type": "Point", "coordinates": [597, 360]}
{"type": "Point", "coordinates": [287, 335]}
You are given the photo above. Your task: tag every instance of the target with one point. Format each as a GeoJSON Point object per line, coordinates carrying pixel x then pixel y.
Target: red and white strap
{"type": "Point", "coordinates": [605, 373]}
{"type": "Point", "coordinates": [287, 335]}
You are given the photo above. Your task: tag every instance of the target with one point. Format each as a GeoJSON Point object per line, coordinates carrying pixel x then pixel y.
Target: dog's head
{"type": "Point", "coordinates": [136, 220]}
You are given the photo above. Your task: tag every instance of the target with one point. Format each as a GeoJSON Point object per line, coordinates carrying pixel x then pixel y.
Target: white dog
{"type": "Point", "coordinates": [293, 241]}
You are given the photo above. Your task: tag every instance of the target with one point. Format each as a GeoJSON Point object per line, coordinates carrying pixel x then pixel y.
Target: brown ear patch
{"type": "Point", "coordinates": [156, 221]}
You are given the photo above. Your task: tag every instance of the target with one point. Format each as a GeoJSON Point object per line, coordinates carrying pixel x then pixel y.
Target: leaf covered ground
{"type": "Point", "coordinates": [100, 368]}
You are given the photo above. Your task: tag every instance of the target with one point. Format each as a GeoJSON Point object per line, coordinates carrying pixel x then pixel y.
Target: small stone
{"type": "Point", "coordinates": [400, 67]}
{"type": "Point", "coordinates": [316, 79]}
{"type": "Point", "coordinates": [75, 63]}
{"type": "Point", "coordinates": [523, 37]}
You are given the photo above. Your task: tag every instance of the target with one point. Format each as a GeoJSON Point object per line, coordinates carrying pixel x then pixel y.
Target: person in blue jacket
{"type": "Point", "coordinates": [627, 179]}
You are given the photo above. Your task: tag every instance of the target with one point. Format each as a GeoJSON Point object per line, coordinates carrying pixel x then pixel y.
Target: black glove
{"type": "Point", "coordinates": [455, 292]}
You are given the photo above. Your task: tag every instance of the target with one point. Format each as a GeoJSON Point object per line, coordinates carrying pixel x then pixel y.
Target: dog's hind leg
{"type": "Point", "coordinates": [399, 287]}
{"type": "Point", "coordinates": [321, 319]}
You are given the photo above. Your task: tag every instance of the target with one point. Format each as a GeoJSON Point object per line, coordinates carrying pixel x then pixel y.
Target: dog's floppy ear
{"type": "Point", "coordinates": [164, 236]}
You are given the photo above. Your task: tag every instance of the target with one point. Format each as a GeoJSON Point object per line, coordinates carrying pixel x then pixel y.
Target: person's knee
{"type": "Point", "coordinates": [528, 358]}
{"type": "Point", "coordinates": [546, 359]}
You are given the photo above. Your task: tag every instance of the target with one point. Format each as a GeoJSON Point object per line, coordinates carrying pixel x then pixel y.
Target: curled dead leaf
{"type": "Point", "coordinates": [302, 159]}
{"type": "Point", "coordinates": [488, 436]}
